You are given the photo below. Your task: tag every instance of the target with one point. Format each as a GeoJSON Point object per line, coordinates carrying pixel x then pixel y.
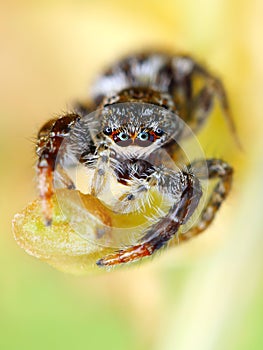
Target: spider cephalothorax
{"type": "Point", "coordinates": [142, 104]}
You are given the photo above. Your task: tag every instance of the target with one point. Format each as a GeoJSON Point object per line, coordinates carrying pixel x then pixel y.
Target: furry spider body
{"type": "Point", "coordinates": [141, 103]}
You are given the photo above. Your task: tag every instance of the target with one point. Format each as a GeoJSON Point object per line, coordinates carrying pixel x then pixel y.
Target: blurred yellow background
{"type": "Point", "coordinates": [206, 294]}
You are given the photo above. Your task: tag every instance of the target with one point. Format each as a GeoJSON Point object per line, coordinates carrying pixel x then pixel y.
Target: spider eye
{"type": "Point", "coordinates": [123, 136]}
{"type": "Point", "coordinates": [107, 130]}
{"type": "Point", "coordinates": [143, 136]}
{"type": "Point", "coordinates": [159, 132]}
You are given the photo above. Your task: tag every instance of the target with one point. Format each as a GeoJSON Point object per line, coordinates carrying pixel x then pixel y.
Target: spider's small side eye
{"type": "Point", "coordinates": [123, 136]}
{"type": "Point", "coordinates": [159, 132]}
{"type": "Point", "coordinates": [107, 130]}
{"type": "Point", "coordinates": [143, 136]}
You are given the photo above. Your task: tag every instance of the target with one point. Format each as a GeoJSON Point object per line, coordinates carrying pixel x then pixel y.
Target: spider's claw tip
{"type": "Point", "coordinates": [100, 263]}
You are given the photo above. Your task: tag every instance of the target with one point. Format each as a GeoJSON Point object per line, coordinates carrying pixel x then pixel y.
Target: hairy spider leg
{"type": "Point", "coordinates": [166, 228]}
{"type": "Point", "coordinates": [136, 197]}
{"type": "Point", "coordinates": [50, 138]}
{"type": "Point", "coordinates": [102, 170]}
{"type": "Point", "coordinates": [136, 175]}
{"type": "Point", "coordinates": [217, 169]}
{"type": "Point", "coordinates": [196, 109]}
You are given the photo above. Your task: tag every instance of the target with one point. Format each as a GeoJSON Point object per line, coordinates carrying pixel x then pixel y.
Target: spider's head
{"type": "Point", "coordinates": [139, 127]}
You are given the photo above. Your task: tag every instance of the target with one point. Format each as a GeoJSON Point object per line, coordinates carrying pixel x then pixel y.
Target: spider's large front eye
{"type": "Point", "coordinates": [122, 139]}
{"type": "Point", "coordinates": [123, 136]}
{"type": "Point", "coordinates": [143, 136]}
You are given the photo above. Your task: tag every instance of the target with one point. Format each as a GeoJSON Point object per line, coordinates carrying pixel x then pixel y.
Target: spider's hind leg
{"type": "Point", "coordinates": [196, 106]}
{"type": "Point", "coordinates": [217, 169]}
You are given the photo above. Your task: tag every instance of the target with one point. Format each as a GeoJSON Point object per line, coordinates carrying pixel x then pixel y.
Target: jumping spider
{"type": "Point", "coordinates": [124, 141]}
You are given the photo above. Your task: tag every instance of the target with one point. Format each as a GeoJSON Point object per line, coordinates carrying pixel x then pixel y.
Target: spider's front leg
{"type": "Point", "coordinates": [50, 138]}
{"type": "Point", "coordinates": [137, 175]}
{"type": "Point", "coordinates": [185, 188]}
{"type": "Point", "coordinates": [102, 169]}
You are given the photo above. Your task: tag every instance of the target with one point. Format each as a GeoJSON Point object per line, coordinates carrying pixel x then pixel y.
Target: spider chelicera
{"type": "Point", "coordinates": [139, 103]}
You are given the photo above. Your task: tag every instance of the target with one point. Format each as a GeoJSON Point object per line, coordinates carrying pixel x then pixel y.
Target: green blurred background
{"type": "Point", "coordinates": [206, 294]}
